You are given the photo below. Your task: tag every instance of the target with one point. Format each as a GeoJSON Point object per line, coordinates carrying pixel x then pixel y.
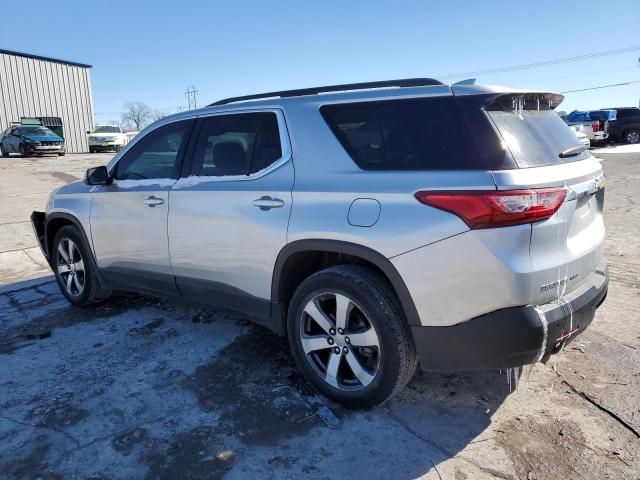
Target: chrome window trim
{"type": "Point", "coordinates": [285, 146]}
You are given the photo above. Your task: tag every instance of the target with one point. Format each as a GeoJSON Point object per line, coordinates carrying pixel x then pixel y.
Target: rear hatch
{"type": "Point", "coordinates": [566, 248]}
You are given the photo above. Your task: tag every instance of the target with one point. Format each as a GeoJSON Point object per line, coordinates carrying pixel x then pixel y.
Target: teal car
{"type": "Point", "coordinates": [28, 140]}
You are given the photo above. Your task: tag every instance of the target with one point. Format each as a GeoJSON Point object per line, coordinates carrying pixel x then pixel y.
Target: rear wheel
{"type": "Point", "coordinates": [3, 152]}
{"type": "Point", "coordinates": [75, 269]}
{"type": "Point", "coordinates": [632, 136]}
{"type": "Point", "coordinates": [92, 150]}
{"type": "Point", "coordinates": [349, 338]}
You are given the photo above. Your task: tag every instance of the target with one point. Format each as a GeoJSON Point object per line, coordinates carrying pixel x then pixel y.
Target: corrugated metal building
{"type": "Point", "coordinates": [35, 86]}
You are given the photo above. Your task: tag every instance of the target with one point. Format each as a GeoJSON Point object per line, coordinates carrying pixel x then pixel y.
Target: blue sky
{"type": "Point", "coordinates": [151, 51]}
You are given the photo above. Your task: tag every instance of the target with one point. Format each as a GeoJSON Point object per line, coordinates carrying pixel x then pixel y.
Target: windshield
{"type": "Point", "coordinates": [107, 129]}
{"type": "Point", "coordinates": [40, 131]}
{"type": "Point", "coordinates": [536, 138]}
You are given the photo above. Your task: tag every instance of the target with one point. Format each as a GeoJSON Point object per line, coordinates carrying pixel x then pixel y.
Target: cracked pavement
{"type": "Point", "coordinates": [145, 388]}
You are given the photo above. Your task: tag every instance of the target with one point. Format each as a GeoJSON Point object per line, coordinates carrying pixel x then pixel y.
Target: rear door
{"type": "Point", "coordinates": [566, 249]}
{"type": "Point", "coordinates": [229, 215]}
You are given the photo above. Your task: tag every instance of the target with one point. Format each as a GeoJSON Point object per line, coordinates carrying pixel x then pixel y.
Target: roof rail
{"type": "Point", "coordinates": [405, 82]}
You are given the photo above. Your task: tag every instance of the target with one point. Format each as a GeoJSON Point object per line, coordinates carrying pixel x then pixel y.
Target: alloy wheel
{"type": "Point", "coordinates": [633, 137]}
{"type": "Point", "coordinates": [340, 342]}
{"type": "Point", "coordinates": [71, 267]}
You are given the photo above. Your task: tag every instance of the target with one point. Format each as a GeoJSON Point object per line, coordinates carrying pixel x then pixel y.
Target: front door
{"type": "Point", "coordinates": [129, 217]}
{"type": "Point", "coordinates": [11, 141]}
{"type": "Point", "coordinates": [228, 218]}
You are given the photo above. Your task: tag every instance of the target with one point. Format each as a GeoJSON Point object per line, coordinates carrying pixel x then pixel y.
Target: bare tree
{"type": "Point", "coordinates": [136, 114]}
{"type": "Point", "coordinates": [157, 115]}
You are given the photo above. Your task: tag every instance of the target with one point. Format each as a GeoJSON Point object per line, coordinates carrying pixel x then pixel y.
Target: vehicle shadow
{"type": "Point", "coordinates": [286, 427]}
{"type": "Point", "coordinates": [242, 400]}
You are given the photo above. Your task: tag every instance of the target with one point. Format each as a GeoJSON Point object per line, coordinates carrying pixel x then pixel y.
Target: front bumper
{"type": "Point", "coordinates": [45, 148]}
{"type": "Point", "coordinates": [38, 222]}
{"type": "Point", "coordinates": [511, 337]}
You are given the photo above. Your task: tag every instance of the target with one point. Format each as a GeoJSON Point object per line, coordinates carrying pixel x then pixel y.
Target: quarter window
{"type": "Point", "coordinates": [413, 134]}
{"type": "Point", "coordinates": [238, 144]}
{"type": "Point", "coordinates": [156, 155]}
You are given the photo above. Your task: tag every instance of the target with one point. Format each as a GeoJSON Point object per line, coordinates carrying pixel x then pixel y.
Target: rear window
{"type": "Point", "coordinates": [411, 134]}
{"type": "Point", "coordinates": [536, 138]}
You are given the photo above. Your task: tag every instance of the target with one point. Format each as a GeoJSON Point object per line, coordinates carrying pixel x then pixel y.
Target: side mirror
{"type": "Point", "coordinates": [88, 132]}
{"type": "Point", "coordinates": [97, 176]}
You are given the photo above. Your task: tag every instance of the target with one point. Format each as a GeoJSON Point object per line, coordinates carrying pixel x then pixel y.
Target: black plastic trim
{"type": "Point", "coordinates": [347, 248]}
{"type": "Point", "coordinates": [510, 337]}
{"type": "Point", "coordinates": [48, 237]}
{"type": "Point", "coordinates": [56, 215]}
{"type": "Point", "coordinates": [228, 298]}
{"type": "Point", "coordinates": [38, 222]}
{"type": "Point", "coordinates": [141, 281]}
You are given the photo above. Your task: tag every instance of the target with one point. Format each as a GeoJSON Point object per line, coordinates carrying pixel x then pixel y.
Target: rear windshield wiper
{"type": "Point", "coordinates": [573, 151]}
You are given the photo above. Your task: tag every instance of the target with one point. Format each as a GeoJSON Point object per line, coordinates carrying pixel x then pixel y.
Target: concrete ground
{"type": "Point", "coordinates": [144, 388]}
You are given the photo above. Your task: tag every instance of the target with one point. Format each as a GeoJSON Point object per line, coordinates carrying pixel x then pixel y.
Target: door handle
{"type": "Point", "coordinates": [267, 203]}
{"type": "Point", "coordinates": [152, 201]}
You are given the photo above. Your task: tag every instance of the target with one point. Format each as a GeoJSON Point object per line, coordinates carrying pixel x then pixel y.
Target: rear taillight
{"type": "Point", "coordinates": [490, 209]}
{"type": "Point", "coordinates": [595, 126]}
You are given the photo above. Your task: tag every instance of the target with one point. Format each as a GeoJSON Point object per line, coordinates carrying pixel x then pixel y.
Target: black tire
{"type": "Point", "coordinates": [92, 292]}
{"type": "Point", "coordinates": [632, 136]}
{"type": "Point", "coordinates": [23, 150]}
{"type": "Point", "coordinates": [3, 152]}
{"type": "Point", "coordinates": [372, 295]}
{"type": "Point", "coordinates": [92, 150]}
{"type": "Point", "coordinates": [61, 154]}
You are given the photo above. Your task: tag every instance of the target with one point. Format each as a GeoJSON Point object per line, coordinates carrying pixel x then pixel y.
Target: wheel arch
{"type": "Point", "coordinates": [57, 220]}
{"type": "Point", "coordinates": [300, 259]}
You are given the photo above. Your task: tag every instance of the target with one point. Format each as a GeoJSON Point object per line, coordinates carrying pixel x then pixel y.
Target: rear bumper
{"type": "Point", "coordinates": [511, 337]}
{"type": "Point", "coordinates": [600, 136]}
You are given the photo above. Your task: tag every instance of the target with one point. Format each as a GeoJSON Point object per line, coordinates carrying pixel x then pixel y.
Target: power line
{"type": "Point", "coordinates": [602, 86]}
{"type": "Point", "coordinates": [544, 63]}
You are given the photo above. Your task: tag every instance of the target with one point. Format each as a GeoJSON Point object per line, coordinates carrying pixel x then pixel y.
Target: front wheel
{"type": "Point", "coordinates": [349, 338]}
{"type": "Point", "coordinates": [632, 136]}
{"type": "Point", "coordinates": [23, 150]}
{"type": "Point", "coordinates": [3, 152]}
{"type": "Point", "coordinates": [75, 269]}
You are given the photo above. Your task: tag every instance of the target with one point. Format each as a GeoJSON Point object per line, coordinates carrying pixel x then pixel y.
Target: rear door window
{"type": "Point", "coordinates": [408, 134]}
{"type": "Point", "coordinates": [628, 112]}
{"type": "Point", "coordinates": [236, 144]}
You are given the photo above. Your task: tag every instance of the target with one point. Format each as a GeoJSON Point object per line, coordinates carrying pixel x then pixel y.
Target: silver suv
{"type": "Point", "coordinates": [379, 225]}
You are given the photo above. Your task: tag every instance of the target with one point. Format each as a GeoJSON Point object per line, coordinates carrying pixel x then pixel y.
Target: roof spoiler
{"type": "Point", "coordinates": [468, 81]}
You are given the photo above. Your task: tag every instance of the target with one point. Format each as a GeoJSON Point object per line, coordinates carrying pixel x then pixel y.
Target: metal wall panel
{"type": "Point", "coordinates": [32, 87]}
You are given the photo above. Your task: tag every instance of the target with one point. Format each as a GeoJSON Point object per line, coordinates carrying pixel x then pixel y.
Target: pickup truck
{"type": "Point", "coordinates": [626, 126]}
{"type": "Point", "coordinates": [594, 123]}
{"type": "Point", "coordinates": [107, 137]}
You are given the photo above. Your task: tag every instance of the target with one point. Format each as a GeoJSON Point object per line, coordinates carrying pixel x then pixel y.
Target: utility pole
{"type": "Point", "coordinates": [191, 97]}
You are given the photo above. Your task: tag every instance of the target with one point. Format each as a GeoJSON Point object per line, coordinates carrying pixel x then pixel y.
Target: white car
{"type": "Point", "coordinates": [582, 137]}
{"type": "Point", "coordinates": [107, 137]}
